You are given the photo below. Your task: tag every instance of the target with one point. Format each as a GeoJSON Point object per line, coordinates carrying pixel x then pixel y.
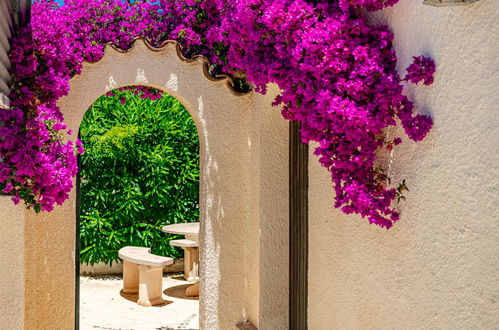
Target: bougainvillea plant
{"type": "Point", "coordinates": [337, 74]}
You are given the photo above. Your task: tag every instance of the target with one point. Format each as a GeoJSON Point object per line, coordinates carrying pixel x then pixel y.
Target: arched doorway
{"type": "Point", "coordinates": [243, 188]}
{"type": "Point", "coordinates": [139, 172]}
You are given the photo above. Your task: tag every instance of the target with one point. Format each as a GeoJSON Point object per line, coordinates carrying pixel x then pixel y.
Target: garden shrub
{"type": "Point", "coordinates": [139, 172]}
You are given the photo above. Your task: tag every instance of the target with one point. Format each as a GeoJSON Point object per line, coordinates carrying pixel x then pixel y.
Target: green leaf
{"type": "Point", "coordinates": [140, 172]}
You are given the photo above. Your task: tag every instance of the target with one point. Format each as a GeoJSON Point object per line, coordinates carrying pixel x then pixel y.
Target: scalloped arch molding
{"type": "Point", "coordinates": [243, 194]}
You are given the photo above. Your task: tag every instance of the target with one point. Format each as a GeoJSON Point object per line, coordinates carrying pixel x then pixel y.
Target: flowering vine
{"type": "Point", "coordinates": [422, 69]}
{"type": "Point", "coordinates": [337, 74]}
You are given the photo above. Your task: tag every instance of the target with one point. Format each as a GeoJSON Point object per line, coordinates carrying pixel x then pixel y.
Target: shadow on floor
{"type": "Point", "coordinates": [133, 297]}
{"type": "Point", "coordinates": [177, 277]}
{"type": "Point", "coordinates": [178, 291]}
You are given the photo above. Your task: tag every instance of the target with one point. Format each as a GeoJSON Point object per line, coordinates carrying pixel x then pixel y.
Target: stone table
{"type": "Point", "coordinates": [191, 251]}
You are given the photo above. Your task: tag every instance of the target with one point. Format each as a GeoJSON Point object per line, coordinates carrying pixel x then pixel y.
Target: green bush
{"type": "Point", "coordinates": [139, 172]}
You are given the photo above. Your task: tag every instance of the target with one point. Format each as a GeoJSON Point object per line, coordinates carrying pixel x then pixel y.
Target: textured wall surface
{"type": "Point", "coordinates": [232, 224]}
{"type": "Point", "coordinates": [11, 264]}
{"type": "Point", "coordinates": [437, 267]}
{"type": "Point", "coordinates": [272, 192]}
{"type": "Point", "coordinates": [49, 252]}
{"type": "Point", "coordinates": [102, 268]}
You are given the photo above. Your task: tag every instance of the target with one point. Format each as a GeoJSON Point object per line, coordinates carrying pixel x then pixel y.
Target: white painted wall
{"type": "Point", "coordinates": [437, 268]}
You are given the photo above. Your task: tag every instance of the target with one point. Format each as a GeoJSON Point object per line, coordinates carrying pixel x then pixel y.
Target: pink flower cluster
{"type": "Point", "coordinates": [336, 72]}
{"type": "Point", "coordinates": [421, 69]}
{"type": "Point", "coordinates": [143, 92]}
{"type": "Point", "coordinates": [371, 5]}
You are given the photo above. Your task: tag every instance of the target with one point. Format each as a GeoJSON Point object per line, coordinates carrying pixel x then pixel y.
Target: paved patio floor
{"type": "Point", "coordinates": [104, 306]}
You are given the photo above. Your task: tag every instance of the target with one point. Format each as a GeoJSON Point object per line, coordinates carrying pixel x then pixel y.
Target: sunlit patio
{"type": "Point", "coordinates": [104, 306]}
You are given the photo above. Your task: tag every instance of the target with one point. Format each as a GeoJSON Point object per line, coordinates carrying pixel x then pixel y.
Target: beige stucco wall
{"type": "Point", "coordinates": [11, 264]}
{"type": "Point", "coordinates": [102, 268]}
{"type": "Point", "coordinates": [437, 268]}
{"type": "Point", "coordinates": [243, 203]}
{"type": "Point", "coordinates": [50, 267]}
{"type": "Point", "coordinates": [271, 208]}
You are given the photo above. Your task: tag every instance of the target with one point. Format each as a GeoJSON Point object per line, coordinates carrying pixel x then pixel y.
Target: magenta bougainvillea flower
{"type": "Point", "coordinates": [421, 69]}
{"type": "Point", "coordinates": [336, 72]}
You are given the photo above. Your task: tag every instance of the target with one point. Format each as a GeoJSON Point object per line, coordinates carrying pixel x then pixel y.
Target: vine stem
{"type": "Point", "coordinates": [390, 159]}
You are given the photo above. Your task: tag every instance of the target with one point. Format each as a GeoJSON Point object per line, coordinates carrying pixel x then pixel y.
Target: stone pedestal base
{"type": "Point", "coordinates": [147, 281]}
{"type": "Point", "coordinates": [191, 264]}
{"type": "Point", "coordinates": [193, 290]}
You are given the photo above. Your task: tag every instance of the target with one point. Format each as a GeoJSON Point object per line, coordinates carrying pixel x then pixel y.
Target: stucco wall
{"type": "Point", "coordinates": [102, 268]}
{"type": "Point", "coordinates": [11, 264]}
{"type": "Point", "coordinates": [236, 185]}
{"type": "Point", "coordinates": [437, 268]}
{"type": "Point", "coordinates": [273, 208]}
{"type": "Point", "coordinates": [50, 267]}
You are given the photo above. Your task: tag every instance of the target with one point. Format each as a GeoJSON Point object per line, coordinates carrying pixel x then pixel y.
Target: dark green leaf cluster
{"type": "Point", "coordinates": [139, 172]}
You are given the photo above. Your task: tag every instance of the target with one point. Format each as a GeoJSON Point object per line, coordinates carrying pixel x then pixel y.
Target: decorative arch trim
{"type": "Point", "coordinates": [206, 64]}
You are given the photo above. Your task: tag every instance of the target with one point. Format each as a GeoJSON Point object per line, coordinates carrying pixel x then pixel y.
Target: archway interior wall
{"type": "Point", "coordinates": [231, 194]}
{"type": "Point", "coordinates": [270, 209]}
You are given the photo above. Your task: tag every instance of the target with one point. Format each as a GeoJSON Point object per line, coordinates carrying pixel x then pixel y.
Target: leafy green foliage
{"type": "Point", "coordinates": [139, 172]}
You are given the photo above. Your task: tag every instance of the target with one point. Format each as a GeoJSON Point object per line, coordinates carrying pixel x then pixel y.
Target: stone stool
{"type": "Point", "coordinates": [191, 258]}
{"type": "Point", "coordinates": [143, 273]}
